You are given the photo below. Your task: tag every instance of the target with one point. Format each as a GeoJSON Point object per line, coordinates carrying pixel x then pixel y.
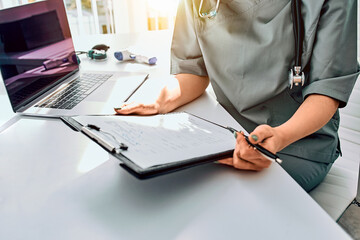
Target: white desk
{"type": "Point", "coordinates": [57, 184]}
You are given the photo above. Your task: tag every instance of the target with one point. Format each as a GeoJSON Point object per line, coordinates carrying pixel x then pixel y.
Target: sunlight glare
{"type": "Point", "coordinates": [163, 5]}
{"type": "Point", "coordinates": [93, 157]}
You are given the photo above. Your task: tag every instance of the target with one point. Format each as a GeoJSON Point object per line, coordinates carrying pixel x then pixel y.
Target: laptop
{"type": "Point", "coordinates": [41, 71]}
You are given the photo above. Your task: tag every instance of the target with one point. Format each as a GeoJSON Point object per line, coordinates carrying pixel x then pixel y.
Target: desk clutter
{"type": "Point", "coordinates": [99, 52]}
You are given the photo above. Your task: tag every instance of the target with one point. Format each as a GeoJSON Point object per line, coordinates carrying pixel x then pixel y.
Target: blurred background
{"type": "Point", "coordinates": [114, 16]}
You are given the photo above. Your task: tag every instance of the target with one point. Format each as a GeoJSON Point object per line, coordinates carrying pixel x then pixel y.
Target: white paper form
{"type": "Point", "coordinates": [160, 139]}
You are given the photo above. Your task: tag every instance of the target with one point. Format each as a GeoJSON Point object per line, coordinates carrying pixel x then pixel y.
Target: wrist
{"type": "Point", "coordinates": [283, 136]}
{"type": "Point", "coordinates": [165, 101]}
{"type": "Point", "coordinates": [162, 107]}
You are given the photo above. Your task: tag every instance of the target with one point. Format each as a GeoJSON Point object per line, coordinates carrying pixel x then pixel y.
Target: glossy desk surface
{"type": "Point", "coordinates": [57, 184]}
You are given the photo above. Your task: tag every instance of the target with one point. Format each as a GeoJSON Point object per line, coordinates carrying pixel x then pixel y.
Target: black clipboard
{"type": "Point", "coordinates": [159, 169]}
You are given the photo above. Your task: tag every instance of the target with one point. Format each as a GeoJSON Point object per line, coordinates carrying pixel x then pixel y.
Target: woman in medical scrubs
{"type": "Point", "coordinates": [246, 52]}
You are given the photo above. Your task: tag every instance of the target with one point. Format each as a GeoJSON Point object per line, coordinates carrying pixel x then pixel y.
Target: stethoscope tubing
{"type": "Point", "coordinates": [210, 14]}
{"type": "Point", "coordinates": [298, 27]}
{"type": "Point", "coordinates": [298, 30]}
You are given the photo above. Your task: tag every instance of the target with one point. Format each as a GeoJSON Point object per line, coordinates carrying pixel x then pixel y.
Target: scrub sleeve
{"type": "Point", "coordinates": [332, 70]}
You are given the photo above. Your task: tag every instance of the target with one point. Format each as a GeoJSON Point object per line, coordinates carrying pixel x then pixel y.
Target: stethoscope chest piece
{"type": "Point", "coordinates": [296, 77]}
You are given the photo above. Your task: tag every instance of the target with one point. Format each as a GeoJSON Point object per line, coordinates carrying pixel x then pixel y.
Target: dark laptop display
{"type": "Point", "coordinates": [36, 50]}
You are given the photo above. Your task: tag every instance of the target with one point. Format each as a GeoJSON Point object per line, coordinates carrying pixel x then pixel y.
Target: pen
{"type": "Point", "coordinates": [261, 149]}
{"type": "Point", "coordinates": [133, 92]}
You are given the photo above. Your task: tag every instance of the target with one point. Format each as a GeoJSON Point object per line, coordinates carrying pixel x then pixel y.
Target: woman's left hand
{"type": "Point", "coordinates": [246, 157]}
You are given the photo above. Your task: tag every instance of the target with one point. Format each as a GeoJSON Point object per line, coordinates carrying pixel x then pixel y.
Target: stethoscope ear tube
{"type": "Point", "coordinates": [297, 76]}
{"type": "Point", "coordinates": [298, 30]}
{"type": "Point", "coordinates": [210, 14]}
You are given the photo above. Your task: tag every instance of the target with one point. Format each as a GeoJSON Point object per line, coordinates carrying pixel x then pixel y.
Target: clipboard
{"type": "Point", "coordinates": [149, 146]}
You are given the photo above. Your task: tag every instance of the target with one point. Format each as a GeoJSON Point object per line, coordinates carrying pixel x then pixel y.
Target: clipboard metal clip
{"type": "Point", "coordinates": [121, 146]}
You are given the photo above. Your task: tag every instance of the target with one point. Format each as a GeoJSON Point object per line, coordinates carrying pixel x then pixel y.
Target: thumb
{"type": "Point", "coordinates": [260, 133]}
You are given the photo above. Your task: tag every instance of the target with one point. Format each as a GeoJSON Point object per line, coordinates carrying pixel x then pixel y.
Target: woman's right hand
{"type": "Point", "coordinates": [160, 105]}
{"type": "Point", "coordinates": [138, 108]}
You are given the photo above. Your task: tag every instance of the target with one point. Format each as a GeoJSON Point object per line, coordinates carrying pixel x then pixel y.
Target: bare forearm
{"type": "Point", "coordinates": [184, 89]}
{"type": "Point", "coordinates": [179, 90]}
{"type": "Point", "coordinates": [312, 115]}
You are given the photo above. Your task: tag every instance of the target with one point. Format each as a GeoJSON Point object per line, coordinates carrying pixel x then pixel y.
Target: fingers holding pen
{"type": "Point", "coordinates": [261, 133]}
{"type": "Point", "coordinates": [245, 156]}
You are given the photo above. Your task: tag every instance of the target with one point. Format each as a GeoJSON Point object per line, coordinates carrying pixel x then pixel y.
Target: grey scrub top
{"type": "Point", "coordinates": [247, 51]}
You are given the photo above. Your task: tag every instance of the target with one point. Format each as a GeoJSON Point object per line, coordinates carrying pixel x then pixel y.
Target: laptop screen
{"type": "Point", "coordinates": [36, 49]}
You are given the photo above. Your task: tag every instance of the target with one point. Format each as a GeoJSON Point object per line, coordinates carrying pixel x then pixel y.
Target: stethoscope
{"type": "Point", "coordinates": [297, 76]}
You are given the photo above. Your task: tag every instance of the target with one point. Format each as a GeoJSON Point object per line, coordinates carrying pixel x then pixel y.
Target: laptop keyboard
{"type": "Point", "coordinates": [75, 92]}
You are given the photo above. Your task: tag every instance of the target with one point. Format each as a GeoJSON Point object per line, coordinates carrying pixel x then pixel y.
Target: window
{"type": "Point", "coordinates": [90, 16]}
{"type": "Point", "coordinates": [114, 16]}
{"type": "Point", "coordinates": [161, 14]}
